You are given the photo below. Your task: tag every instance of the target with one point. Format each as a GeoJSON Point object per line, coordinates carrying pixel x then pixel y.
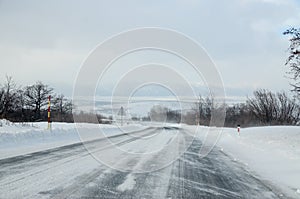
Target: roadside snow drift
{"type": "Point", "coordinates": [23, 138]}
{"type": "Point", "coordinates": [272, 153]}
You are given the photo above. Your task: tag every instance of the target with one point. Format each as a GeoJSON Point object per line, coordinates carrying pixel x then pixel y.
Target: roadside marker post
{"type": "Point", "coordinates": [49, 112]}
{"type": "Point", "coordinates": [239, 129]}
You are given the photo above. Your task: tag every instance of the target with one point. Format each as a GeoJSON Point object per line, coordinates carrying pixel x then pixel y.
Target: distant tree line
{"type": "Point", "coordinates": [160, 113]}
{"type": "Point", "coordinates": [92, 118]}
{"type": "Point", "coordinates": [29, 103]}
{"type": "Point", "coordinates": [264, 108]}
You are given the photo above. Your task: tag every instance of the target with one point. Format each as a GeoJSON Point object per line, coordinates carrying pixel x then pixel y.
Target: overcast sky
{"type": "Point", "coordinates": [49, 40]}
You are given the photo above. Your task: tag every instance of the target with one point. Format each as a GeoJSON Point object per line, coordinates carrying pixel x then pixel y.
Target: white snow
{"type": "Point", "coordinates": [23, 138]}
{"type": "Point", "coordinates": [128, 184]}
{"type": "Point", "coordinates": [272, 153]}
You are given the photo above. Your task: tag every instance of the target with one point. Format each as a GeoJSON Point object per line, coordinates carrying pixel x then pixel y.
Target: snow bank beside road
{"type": "Point", "coordinates": [272, 152]}
{"type": "Point", "coordinates": [19, 139]}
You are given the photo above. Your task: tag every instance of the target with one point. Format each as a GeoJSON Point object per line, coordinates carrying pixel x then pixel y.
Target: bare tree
{"type": "Point", "coordinates": [203, 109]}
{"type": "Point", "coordinates": [289, 109]}
{"type": "Point", "coordinates": [8, 96]}
{"type": "Point", "coordinates": [294, 58]}
{"type": "Point", "coordinates": [36, 97]}
{"type": "Point", "coordinates": [173, 116]}
{"type": "Point", "coordinates": [61, 107]}
{"type": "Point", "coordinates": [158, 113]}
{"type": "Point", "coordinates": [274, 108]}
{"type": "Point", "coordinates": [2, 99]}
{"type": "Point", "coordinates": [240, 114]}
{"type": "Point", "coordinates": [19, 107]}
{"type": "Point", "coordinates": [190, 118]}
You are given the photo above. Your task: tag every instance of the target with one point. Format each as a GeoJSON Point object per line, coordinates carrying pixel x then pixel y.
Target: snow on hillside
{"type": "Point", "coordinates": [18, 139]}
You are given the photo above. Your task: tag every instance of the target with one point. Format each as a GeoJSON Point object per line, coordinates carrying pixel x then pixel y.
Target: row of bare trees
{"type": "Point", "coordinates": [159, 113]}
{"type": "Point", "coordinates": [29, 103]}
{"type": "Point", "coordinates": [264, 108]}
{"type": "Point", "coordinates": [24, 104]}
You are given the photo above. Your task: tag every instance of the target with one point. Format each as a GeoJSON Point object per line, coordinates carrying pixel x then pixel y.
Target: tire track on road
{"type": "Point", "coordinates": [75, 157]}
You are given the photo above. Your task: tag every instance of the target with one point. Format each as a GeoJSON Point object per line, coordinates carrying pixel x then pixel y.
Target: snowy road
{"type": "Point", "coordinates": [71, 172]}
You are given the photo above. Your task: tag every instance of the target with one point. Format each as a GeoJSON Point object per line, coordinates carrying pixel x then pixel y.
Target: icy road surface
{"type": "Point", "coordinates": [71, 172]}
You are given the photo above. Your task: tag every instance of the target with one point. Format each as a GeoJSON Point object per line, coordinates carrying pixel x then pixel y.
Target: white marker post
{"type": "Point", "coordinates": [238, 129]}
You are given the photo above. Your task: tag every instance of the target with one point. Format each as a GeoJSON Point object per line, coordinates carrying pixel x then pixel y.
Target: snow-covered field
{"type": "Point", "coordinates": [270, 153]}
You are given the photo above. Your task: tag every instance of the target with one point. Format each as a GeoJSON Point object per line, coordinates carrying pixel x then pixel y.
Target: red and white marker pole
{"type": "Point", "coordinates": [238, 129]}
{"type": "Point", "coordinates": [49, 111]}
